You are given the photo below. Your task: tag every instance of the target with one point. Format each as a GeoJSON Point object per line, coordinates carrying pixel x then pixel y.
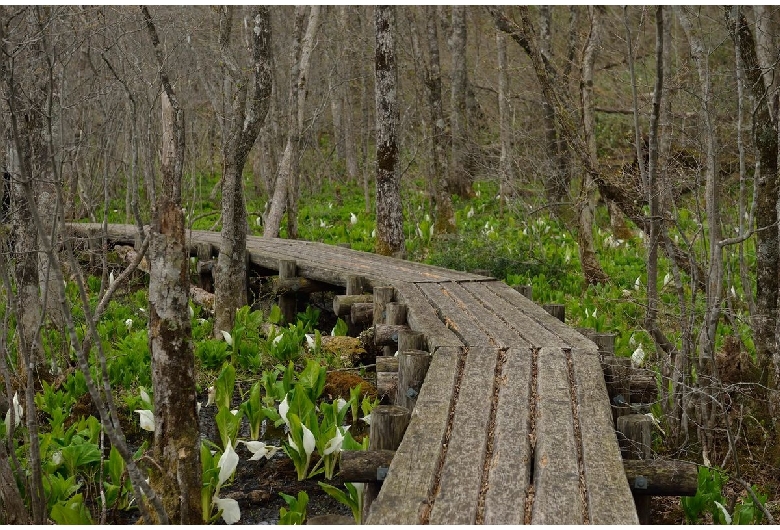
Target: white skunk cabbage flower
{"type": "Point", "coordinates": [470, 213]}
{"type": "Point", "coordinates": [284, 408]}
{"type": "Point", "coordinates": [373, 232]}
{"type": "Point", "coordinates": [724, 511]}
{"type": "Point", "coordinates": [322, 224]}
{"type": "Point", "coordinates": [111, 278]}
{"type": "Point", "coordinates": [129, 324]}
{"type": "Point", "coordinates": [228, 337]}
{"type": "Point", "coordinates": [353, 218]}
{"type": "Point", "coordinates": [309, 443]}
{"type": "Point", "coordinates": [227, 464]}
{"type": "Point", "coordinates": [145, 396]}
{"type": "Point", "coordinates": [310, 342]}
{"type": "Point", "coordinates": [18, 412]}
{"type": "Point", "coordinates": [340, 404]}
{"type": "Point", "coordinates": [212, 394]}
{"type": "Point", "coordinates": [638, 357]}
{"type": "Point", "coordinates": [638, 283]}
{"type": "Point", "coordinates": [146, 419]}
{"type": "Point", "coordinates": [667, 279]}
{"type": "Point", "coordinates": [334, 444]}
{"type": "Point", "coordinates": [231, 513]}
{"type": "Point", "coordinates": [367, 419]}
{"type": "Point", "coordinates": [260, 449]}
{"type": "Point", "coordinates": [191, 311]}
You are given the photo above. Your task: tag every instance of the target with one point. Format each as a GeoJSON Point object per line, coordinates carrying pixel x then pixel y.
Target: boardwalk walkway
{"type": "Point", "coordinates": [512, 424]}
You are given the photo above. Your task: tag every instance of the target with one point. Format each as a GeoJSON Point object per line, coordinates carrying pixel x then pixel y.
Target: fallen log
{"type": "Point", "coordinates": [342, 303]}
{"type": "Point", "coordinates": [662, 477]}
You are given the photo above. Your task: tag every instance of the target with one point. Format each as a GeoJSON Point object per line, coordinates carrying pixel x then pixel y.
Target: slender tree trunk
{"type": "Point", "coordinates": [706, 371]}
{"type": "Point", "coordinates": [557, 182]}
{"type": "Point", "coordinates": [347, 101]}
{"type": "Point", "coordinates": [445, 214]}
{"type": "Point", "coordinates": [591, 267]}
{"type": "Point", "coordinates": [244, 123]}
{"type": "Point", "coordinates": [176, 435]}
{"type": "Point", "coordinates": [505, 123]}
{"type": "Point", "coordinates": [389, 208]}
{"type": "Point", "coordinates": [459, 180]}
{"type": "Point", "coordinates": [286, 188]}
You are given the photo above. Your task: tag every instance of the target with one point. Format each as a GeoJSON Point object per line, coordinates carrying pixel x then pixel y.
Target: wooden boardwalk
{"type": "Point", "coordinates": [512, 424]}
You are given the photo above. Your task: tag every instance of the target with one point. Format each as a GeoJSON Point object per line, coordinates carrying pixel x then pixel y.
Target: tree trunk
{"type": "Point", "coordinates": [176, 435]}
{"type": "Point", "coordinates": [459, 180]}
{"type": "Point", "coordinates": [389, 208]}
{"type": "Point", "coordinates": [767, 245]}
{"type": "Point", "coordinates": [505, 123]}
{"type": "Point", "coordinates": [244, 123]}
{"type": "Point", "coordinates": [591, 267]}
{"type": "Point", "coordinates": [286, 188]}
{"type": "Point", "coordinates": [445, 215]}
{"type": "Point", "coordinates": [347, 101]}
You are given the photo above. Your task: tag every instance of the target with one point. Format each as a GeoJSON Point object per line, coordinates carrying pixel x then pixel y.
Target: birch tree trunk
{"type": "Point", "coordinates": [244, 120]}
{"type": "Point", "coordinates": [286, 189]}
{"type": "Point", "coordinates": [458, 174]}
{"type": "Point", "coordinates": [389, 208]}
{"type": "Point", "coordinates": [176, 435]}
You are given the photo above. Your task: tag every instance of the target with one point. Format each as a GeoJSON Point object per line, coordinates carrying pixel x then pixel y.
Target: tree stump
{"type": "Point", "coordinates": [356, 285]}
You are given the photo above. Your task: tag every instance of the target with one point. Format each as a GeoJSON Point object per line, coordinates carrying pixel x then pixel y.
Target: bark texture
{"type": "Point", "coordinates": [389, 209]}
{"type": "Point", "coordinates": [248, 111]}
{"type": "Point", "coordinates": [176, 436]}
{"type": "Point", "coordinates": [459, 181]}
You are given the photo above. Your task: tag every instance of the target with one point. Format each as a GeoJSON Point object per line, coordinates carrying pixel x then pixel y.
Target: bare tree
{"type": "Point", "coordinates": [244, 119]}
{"type": "Point", "coordinates": [176, 434]}
{"type": "Point", "coordinates": [389, 209]}
{"type": "Point", "coordinates": [459, 180]}
{"type": "Point", "coordinates": [506, 167]}
{"type": "Point", "coordinates": [286, 189]}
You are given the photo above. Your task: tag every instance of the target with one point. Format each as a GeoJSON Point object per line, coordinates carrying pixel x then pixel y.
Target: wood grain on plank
{"type": "Point", "coordinates": [609, 495]}
{"type": "Point", "coordinates": [568, 334]}
{"type": "Point", "coordinates": [421, 316]}
{"type": "Point", "coordinates": [461, 474]}
{"type": "Point", "coordinates": [528, 328]}
{"type": "Point", "coordinates": [455, 317]}
{"type": "Point", "coordinates": [511, 461]}
{"type": "Point", "coordinates": [556, 470]}
{"type": "Point", "coordinates": [405, 492]}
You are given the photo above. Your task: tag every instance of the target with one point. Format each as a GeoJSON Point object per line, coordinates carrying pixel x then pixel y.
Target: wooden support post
{"type": "Point", "coordinates": [344, 245]}
{"type": "Point", "coordinates": [386, 378]}
{"type": "Point", "coordinates": [411, 340]}
{"type": "Point", "coordinates": [481, 272]}
{"type": "Point", "coordinates": [606, 344]}
{"type": "Point", "coordinates": [356, 284]}
{"type": "Point", "coordinates": [617, 376]}
{"type": "Point", "coordinates": [556, 310]}
{"type": "Point", "coordinates": [412, 367]}
{"type": "Point", "coordinates": [361, 466]}
{"type": "Point", "coordinates": [205, 266]}
{"type": "Point", "coordinates": [361, 313]}
{"type": "Point", "coordinates": [387, 335]}
{"type": "Point", "coordinates": [383, 295]}
{"type": "Point", "coordinates": [388, 425]}
{"type": "Point", "coordinates": [395, 315]}
{"type": "Point", "coordinates": [342, 303]}
{"type": "Point", "coordinates": [525, 290]}
{"type": "Point", "coordinates": [635, 442]}
{"type": "Point", "coordinates": [287, 300]}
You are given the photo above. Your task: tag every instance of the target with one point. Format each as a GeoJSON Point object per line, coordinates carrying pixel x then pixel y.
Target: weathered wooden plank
{"type": "Point", "coordinates": [461, 474]}
{"type": "Point", "coordinates": [609, 496]}
{"type": "Point", "coordinates": [568, 334]}
{"type": "Point", "coordinates": [511, 459]}
{"type": "Point", "coordinates": [492, 324]}
{"type": "Point", "coordinates": [528, 328]}
{"type": "Point", "coordinates": [410, 479]}
{"type": "Point", "coordinates": [557, 497]}
{"type": "Point", "coordinates": [455, 317]}
{"type": "Point", "coordinates": [421, 316]}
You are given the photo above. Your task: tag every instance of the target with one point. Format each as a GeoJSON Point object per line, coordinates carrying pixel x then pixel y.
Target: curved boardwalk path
{"type": "Point", "coordinates": [512, 424]}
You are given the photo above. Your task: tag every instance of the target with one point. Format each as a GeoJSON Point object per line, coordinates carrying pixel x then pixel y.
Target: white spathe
{"type": "Point", "coordinates": [227, 464]}
{"type": "Point", "coordinates": [146, 419]}
{"type": "Point", "coordinates": [231, 513]}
